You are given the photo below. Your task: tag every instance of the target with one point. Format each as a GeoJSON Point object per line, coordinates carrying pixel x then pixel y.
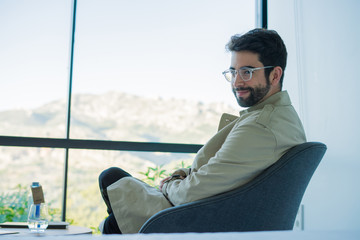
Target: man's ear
{"type": "Point", "coordinates": [275, 75]}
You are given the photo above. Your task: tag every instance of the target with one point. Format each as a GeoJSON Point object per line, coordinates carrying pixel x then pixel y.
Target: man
{"type": "Point", "coordinates": [243, 147]}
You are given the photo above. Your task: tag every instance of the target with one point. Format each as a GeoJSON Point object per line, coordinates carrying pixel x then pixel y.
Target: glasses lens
{"type": "Point", "coordinates": [245, 74]}
{"type": "Point", "coordinates": [228, 75]}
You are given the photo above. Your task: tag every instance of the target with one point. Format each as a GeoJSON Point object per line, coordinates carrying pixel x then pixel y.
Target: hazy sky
{"type": "Point", "coordinates": [149, 48]}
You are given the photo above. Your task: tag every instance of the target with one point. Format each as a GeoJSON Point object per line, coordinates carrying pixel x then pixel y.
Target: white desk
{"type": "Point", "coordinates": [284, 235]}
{"type": "Point", "coordinates": [25, 232]}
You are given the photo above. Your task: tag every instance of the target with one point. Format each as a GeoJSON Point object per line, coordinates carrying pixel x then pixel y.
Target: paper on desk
{"type": "Point", "coordinates": [2, 232]}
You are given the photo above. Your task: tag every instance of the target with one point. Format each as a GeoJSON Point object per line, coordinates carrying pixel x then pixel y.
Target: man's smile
{"type": "Point", "coordinates": [241, 92]}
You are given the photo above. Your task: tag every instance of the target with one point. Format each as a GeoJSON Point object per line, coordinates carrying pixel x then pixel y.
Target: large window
{"type": "Point", "coordinates": [34, 49]}
{"type": "Point", "coordinates": [151, 70]}
{"type": "Point", "coordinates": [143, 71]}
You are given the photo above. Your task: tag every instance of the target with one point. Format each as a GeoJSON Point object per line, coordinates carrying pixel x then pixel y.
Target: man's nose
{"type": "Point", "coordinates": [238, 81]}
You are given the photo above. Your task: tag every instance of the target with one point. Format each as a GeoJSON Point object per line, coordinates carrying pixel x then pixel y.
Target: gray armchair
{"type": "Point", "coordinates": [268, 202]}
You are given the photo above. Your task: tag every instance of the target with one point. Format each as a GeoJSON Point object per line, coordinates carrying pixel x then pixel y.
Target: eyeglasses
{"type": "Point", "coordinates": [245, 73]}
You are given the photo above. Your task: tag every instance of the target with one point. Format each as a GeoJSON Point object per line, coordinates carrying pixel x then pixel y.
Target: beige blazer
{"type": "Point", "coordinates": [242, 148]}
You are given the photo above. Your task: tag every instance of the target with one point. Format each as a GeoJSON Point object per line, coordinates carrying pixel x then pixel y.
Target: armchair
{"type": "Point", "coordinates": [268, 202]}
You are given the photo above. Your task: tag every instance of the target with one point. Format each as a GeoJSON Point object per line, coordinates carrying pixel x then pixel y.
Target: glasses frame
{"type": "Point", "coordinates": [235, 72]}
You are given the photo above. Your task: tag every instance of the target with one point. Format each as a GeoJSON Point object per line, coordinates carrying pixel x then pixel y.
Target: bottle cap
{"type": "Point", "coordinates": [35, 184]}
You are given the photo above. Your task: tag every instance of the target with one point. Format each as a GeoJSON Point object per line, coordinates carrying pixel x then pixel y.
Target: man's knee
{"type": "Point", "coordinates": [111, 175]}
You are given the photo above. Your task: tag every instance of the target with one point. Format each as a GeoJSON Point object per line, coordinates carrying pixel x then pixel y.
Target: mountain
{"type": "Point", "coordinates": [119, 116]}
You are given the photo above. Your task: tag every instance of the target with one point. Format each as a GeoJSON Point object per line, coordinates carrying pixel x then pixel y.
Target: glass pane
{"type": "Point", "coordinates": [34, 47]}
{"type": "Point", "coordinates": [85, 206]}
{"type": "Point", "coordinates": [18, 169]}
{"type": "Point", "coordinates": [151, 70]}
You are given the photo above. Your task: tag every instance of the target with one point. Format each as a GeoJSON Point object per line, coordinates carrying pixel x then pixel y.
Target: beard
{"type": "Point", "coordinates": [256, 95]}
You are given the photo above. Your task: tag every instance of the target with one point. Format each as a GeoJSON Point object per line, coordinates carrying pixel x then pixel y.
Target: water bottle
{"type": "Point", "coordinates": [38, 212]}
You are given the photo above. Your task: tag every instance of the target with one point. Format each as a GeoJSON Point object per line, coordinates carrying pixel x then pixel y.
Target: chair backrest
{"type": "Point", "coordinates": [268, 202]}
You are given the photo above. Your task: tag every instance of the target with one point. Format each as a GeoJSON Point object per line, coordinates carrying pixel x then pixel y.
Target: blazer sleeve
{"type": "Point", "coordinates": [247, 150]}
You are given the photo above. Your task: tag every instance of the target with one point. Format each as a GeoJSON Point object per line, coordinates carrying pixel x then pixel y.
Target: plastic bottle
{"type": "Point", "coordinates": [38, 214]}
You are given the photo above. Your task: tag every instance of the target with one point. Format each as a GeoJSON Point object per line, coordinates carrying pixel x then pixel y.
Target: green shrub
{"type": "Point", "coordinates": [154, 175]}
{"type": "Point", "coordinates": [14, 206]}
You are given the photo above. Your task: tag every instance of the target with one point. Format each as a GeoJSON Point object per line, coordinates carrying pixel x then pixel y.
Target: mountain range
{"type": "Point", "coordinates": [118, 116]}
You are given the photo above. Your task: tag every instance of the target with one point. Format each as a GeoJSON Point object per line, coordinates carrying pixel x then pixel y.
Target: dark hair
{"type": "Point", "coordinates": [266, 43]}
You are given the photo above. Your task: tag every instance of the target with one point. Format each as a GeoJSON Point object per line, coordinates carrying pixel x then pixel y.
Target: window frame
{"type": "Point", "coordinates": [68, 143]}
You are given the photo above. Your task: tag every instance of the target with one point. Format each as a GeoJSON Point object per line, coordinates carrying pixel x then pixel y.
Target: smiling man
{"type": "Point", "coordinates": [242, 148]}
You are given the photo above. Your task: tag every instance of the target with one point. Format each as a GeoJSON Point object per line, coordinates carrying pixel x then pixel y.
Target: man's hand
{"type": "Point", "coordinates": [163, 181]}
{"type": "Point", "coordinates": [179, 172]}
{"type": "Point", "coordinates": [173, 176]}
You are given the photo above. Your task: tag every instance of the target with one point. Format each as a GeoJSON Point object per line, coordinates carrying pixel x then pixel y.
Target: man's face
{"type": "Point", "coordinates": [257, 88]}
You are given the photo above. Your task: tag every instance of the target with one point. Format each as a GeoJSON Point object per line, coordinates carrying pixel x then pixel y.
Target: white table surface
{"type": "Point", "coordinates": [276, 235]}
{"type": "Point", "coordinates": [25, 232]}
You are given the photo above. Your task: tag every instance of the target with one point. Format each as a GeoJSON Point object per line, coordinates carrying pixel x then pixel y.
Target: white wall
{"type": "Point", "coordinates": [323, 38]}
